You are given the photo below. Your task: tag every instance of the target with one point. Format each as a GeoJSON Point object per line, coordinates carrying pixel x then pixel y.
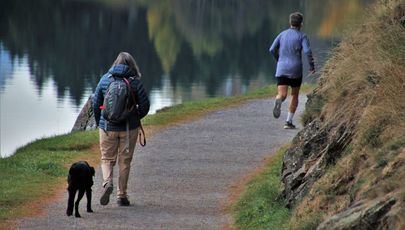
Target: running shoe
{"type": "Point", "coordinates": [289, 125]}
{"type": "Point", "coordinates": [277, 108]}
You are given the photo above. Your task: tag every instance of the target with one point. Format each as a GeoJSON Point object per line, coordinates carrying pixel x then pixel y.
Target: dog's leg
{"type": "Point", "coordinates": [79, 197]}
{"type": "Point", "coordinates": [88, 195]}
{"type": "Point", "coordinates": [71, 199]}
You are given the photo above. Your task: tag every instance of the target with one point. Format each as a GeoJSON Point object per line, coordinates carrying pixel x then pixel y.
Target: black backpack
{"type": "Point", "coordinates": [118, 105]}
{"type": "Point", "coordinates": [119, 102]}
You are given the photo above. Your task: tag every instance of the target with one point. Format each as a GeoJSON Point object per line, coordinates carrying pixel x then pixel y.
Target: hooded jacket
{"type": "Point", "coordinates": [141, 97]}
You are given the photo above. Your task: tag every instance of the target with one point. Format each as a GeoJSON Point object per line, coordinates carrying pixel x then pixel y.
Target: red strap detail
{"type": "Point", "coordinates": [102, 107]}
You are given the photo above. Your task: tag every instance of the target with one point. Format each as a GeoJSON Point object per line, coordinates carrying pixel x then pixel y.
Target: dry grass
{"type": "Point", "coordinates": [363, 89]}
{"type": "Point", "coordinates": [366, 71]}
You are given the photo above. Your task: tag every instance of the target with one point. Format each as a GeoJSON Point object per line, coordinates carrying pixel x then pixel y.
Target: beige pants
{"type": "Point", "coordinates": [113, 146]}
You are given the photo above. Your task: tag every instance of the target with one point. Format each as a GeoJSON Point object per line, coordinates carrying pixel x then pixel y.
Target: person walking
{"type": "Point", "coordinates": [287, 49]}
{"type": "Point", "coordinates": [118, 139]}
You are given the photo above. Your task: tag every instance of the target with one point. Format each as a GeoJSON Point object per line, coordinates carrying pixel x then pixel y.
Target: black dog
{"type": "Point", "coordinates": [80, 178]}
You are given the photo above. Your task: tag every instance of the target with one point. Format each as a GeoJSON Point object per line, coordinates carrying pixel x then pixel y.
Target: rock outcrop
{"type": "Point", "coordinates": [346, 168]}
{"type": "Point", "coordinates": [363, 215]}
{"type": "Point", "coordinates": [85, 120]}
{"type": "Point", "coordinates": [314, 148]}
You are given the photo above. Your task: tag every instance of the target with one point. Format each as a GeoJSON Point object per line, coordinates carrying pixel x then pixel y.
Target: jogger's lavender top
{"type": "Point", "coordinates": [287, 49]}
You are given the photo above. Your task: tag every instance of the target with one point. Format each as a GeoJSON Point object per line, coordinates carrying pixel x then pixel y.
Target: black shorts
{"type": "Point", "coordinates": [293, 82]}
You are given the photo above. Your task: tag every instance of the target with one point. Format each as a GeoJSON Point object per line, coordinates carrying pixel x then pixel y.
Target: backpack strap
{"type": "Point", "coordinates": [142, 141]}
{"type": "Point", "coordinates": [111, 79]}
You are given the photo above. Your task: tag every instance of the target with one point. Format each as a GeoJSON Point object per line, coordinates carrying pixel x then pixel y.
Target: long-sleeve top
{"type": "Point", "coordinates": [287, 49]}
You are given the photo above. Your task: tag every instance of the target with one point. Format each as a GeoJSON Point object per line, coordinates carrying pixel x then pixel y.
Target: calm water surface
{"type": "Point", "coordinates": [53, 52]}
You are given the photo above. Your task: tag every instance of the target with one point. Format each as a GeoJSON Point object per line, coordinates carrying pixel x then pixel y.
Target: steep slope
{"type": "Point", "coordinates": [346, 168]}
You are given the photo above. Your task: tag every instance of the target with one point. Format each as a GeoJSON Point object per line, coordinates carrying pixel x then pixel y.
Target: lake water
{"type": "Point", "coordinates": [53, 52]}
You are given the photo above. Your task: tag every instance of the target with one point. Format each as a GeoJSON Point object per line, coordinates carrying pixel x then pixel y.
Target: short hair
{"type": "Point", "coordinates": [296, 19]}
{"type": "Point", "coordinates": [127, 59]}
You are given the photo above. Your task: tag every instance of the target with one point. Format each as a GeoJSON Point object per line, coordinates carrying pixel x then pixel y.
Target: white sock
{"type": "Point", "coordinates": [290, 117]}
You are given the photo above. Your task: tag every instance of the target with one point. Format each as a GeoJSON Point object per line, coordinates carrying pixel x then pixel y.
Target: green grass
{"type": "Point", "coordinates": [189, 110]}
{"type": "Point", "coordinates": [260, 206]}
{"type": "Point", "coordinates": [38, 168]}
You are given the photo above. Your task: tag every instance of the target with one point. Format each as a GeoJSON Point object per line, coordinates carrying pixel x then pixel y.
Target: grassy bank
{"type": "Point", "coordinates": [361, 91]}
{"type": "Point", "coordinates": [261, 206]}
{"type": "Point", "coordinates": [37, 171]}
{"type": "Point", "coordinates": [190, 110]}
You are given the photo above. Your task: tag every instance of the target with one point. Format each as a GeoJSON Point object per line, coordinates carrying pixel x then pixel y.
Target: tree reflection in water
{"type": "Point", "coordinates": [186, 49]}
{"type": "Point", "coordinates": [201, 42]}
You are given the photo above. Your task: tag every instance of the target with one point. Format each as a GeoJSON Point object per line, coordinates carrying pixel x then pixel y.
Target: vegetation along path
{"type": "Point", "coordinates": [181, 179]}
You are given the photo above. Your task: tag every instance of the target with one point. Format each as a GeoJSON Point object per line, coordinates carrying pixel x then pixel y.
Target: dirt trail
{"type": "Point", "coordinates": [182, 177]}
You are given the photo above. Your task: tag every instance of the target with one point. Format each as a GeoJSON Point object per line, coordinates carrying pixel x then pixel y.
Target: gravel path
{"type": "Point", "coordinates": [181, 178]}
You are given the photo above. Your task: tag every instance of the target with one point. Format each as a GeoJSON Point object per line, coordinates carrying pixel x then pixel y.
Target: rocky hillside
{"type": "Point", "coordinates": [346, 168]}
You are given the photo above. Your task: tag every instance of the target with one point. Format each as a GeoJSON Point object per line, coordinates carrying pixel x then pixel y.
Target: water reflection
{"type": "Point", "coordinates": [6, 67]}
{"type": "Point", "coordinates": [185, 49]}
{"type": "Point", "coordinates": [25, 114]}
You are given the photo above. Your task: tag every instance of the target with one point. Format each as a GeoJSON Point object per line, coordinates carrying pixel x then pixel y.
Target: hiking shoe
{"type": "Point", "coordinates": [289, 125]}
{"type": "Point", "coordinates": [123, 201]}
{"type": "Point", "coordinates": [105, 197]}
{"type": "Point", "coordinates": [277, 108]}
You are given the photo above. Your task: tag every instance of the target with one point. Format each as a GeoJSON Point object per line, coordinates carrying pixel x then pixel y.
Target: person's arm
{"type": "Point", "coordinates": [141, 97]}
{"type": "Point", "coordinates": [307, 50]}
{"type": "Point", "coordinates": [274, 48]}
{"type": "Point", "coordinates": [97, 102]}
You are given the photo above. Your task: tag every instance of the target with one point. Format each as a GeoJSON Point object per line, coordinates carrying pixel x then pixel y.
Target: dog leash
{"type": "Point", "coordinates": [142, 136]}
